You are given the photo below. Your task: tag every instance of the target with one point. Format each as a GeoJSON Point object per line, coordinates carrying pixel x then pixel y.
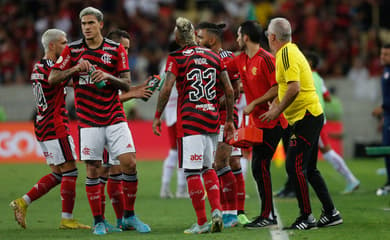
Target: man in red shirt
{"type": "Point", "coordinates": [257, 71]}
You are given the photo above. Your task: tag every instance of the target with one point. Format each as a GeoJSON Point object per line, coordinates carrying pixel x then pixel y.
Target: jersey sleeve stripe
{"type": "Point", "coordinates": [286, 63]}
{"type": "Point", "coordinates": [268, 61]}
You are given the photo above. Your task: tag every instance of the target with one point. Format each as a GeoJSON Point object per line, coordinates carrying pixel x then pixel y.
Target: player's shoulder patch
{"type": "Point", "coordinates": [76, 43]}
{"type": "Point", "coordinates": [109, 41]}
{"type": "Point", "coordinates": [225, 54]}
{"type": "Point", "coordinates": [49, 63]}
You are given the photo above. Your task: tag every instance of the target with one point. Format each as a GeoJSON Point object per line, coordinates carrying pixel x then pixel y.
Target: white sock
{"type": "Point", "coordinates": [168, 168]}
{"type": "Point", "coordinates": [66, 215]}
{"type": "Point", "coordinates": [244, 166]}
{"type": "Point", "coordinates": [339, 164]}
{"type": "Point", "coordinates": [181, 180]}
{"type": "Point", "coordinates": [27, 199]}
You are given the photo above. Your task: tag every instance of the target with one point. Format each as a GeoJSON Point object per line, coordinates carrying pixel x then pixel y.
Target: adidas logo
{"type": "Point", "coordinates": [226, 190]}
{"type": "Point", "coordinates": [214, 187]}
{"type": "Point", "coordinates": [302, 226]}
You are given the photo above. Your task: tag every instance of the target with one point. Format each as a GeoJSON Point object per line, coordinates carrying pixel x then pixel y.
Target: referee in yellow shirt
{"type": "Point", "coordinates": [298, 100]}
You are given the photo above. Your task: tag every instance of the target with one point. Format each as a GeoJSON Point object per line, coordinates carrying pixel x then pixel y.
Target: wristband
{"type": "Point", "coordinates": [157, 115]}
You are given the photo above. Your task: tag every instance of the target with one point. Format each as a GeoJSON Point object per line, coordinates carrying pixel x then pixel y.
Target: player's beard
{"type": "Point", "coordinates": [207, 45]}
{"type": "Point", "coordinates": [242, 47]}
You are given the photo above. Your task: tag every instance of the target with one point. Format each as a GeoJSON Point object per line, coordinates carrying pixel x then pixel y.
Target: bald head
{"type": "Point", "coordinates": [281, 28]}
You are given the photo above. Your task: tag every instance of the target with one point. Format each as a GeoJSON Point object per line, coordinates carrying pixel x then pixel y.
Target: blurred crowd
{"type": "Point", "coordinates": [346, 33]}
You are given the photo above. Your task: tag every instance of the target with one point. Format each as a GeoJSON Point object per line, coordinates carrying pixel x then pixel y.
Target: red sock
{"type": "Point", "coordinates": [43, 186]}
{"type": "Point", "coordinates": [240, 191]}
{"type": "Point", "coordinates": [130, 193]}
{"type": "Point", "coordinates": [93, 195]}
{"type": "Point", "coordinates": [115, 193]}
{"type": "Point", "coordinates": [212, 187]}
{"type": "Point", "coordinates": [196, 191]}
{"type": "Point", "coordinates": [102, 185]}
{"type": "Point", "coordinates": [229, 189]}
{"type": "Point", "coordinates": [222, 195]}
{"type": "Point", "coordinates": [68, 193]}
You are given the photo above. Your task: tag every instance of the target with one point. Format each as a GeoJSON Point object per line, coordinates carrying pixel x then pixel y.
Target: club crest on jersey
{"type": "Point", "coordinates": [254, 71]}
{"type": "Point", "coordinates": [106, 58]}
{"type": "Point", "coordinates": [188, 52]}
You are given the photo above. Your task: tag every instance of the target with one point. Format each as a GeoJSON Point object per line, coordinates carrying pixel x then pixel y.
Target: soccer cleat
{"type": "Point", "coordinates": [20, 210]}
{"type": "Point", "coordinates": [303, 223]}
{"type": "Point", "coordinates": [330, 219]}
{"type": "Point", "coordinates": [72, 224]}
{"type": "Point", "coordinates": [229, 220]}
{"type": "Point", "coordinates": [216, 221]}
{"type": "Point", "coordinates": [119, 224]}
{"type": "Point", "coordinates": [110, 228]}
{"type": "Point", "coordinates": [196, 229]}
{"type": "Point", "coordinates": [99, 229]}
{"type": "Point", "coordinates": [165, 193]}
{"type": "Point", "coordinates": [134, 222]}
{"type": "Point", "coordinates": [242, 219]}
{"type": "Point", "coordinates": [383, 190]}
{"type": "Point", "coordinates": [261, 222]}
{"type": "Point", "coordinates": [351, 187]}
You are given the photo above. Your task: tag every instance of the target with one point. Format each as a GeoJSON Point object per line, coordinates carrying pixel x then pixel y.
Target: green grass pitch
{"type": "Point", "coordinates": [363, 212]}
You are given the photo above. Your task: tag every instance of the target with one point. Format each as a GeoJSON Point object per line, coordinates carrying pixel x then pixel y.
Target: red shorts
{"type": "Point", "coordinates": [172, 136]}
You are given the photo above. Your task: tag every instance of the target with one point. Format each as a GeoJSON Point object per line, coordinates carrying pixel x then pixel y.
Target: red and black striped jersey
{"type": "Point", "coordinates": [227, 56]}
{"type": "Point", "coordinates": [51, 121]}
{"type": "Point", "coordinates": [96, 107]}
{"type": "Point", "coordinates": [197, 71]}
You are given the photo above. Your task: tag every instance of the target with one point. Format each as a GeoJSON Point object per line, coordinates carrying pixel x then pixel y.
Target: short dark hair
{"type": "Point", "coordinates": [252, 29]}
{"type": "Point", "coordinates": [313, 58]}
{"type": "Point", "coordinates": [117, 34]}
{"type": "Point", "coordinates": [386, 45]}
{"type": "Point", "coordinates": [216, 29]}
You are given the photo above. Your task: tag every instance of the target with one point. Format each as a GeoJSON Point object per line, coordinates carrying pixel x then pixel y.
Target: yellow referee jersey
{"type": "Point", "coordinates": [291, 65]}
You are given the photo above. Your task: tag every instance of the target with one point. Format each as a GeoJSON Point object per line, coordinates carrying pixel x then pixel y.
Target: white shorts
{"type": "Point", "coordinates": [58, 151]}
{"type": "Point", "coordinates": [108, 160]}
{"type": "Point", "coordinates": [197, 151]}
{"type": "Point", "coordinates": [236, 152]}
{"type": "Point", "coordinates": [117, 137]}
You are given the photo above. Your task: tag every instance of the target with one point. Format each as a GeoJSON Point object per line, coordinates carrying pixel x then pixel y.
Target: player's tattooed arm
{"type": "Point", "coordinates": [57, 76]}
{"type": "Point", "coordinates": [229, 94]}
{"type": "Point", "coordinates": [123, 82]}
{"type": "Point", "coordinates": [165, 92]}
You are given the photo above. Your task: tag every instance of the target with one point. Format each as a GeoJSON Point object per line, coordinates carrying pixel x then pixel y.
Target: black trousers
{"type": "Point", "coordinates": [262, 156]}
{"type": "Point", "coordinates": [301, 163]}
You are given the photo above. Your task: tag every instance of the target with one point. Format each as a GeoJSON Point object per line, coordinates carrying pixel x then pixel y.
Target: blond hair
{"type": "Point", "coordinates": [186, 31]}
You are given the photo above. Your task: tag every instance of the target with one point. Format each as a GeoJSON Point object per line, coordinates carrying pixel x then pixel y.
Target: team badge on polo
{"type": "Point", "coordinates": [254, 70]}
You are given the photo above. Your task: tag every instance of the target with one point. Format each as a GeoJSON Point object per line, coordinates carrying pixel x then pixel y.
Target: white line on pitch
{"type": "Point", "coordinates": [278, 233]}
